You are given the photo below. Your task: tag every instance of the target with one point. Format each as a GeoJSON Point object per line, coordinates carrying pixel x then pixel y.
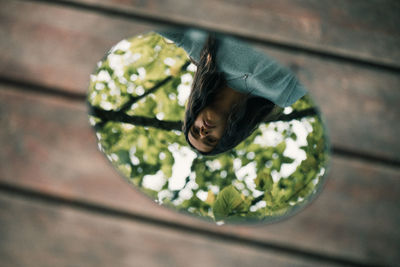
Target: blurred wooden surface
{"type": "Point", "coordinates": [61, 202]}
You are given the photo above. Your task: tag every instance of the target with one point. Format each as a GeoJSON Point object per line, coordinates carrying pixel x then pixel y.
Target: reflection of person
{"type": "Point", "coordinates": [234, 89]}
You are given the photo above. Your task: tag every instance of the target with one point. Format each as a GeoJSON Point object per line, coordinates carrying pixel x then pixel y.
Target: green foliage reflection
{"type": "Point", "coordinates": [137, 97]}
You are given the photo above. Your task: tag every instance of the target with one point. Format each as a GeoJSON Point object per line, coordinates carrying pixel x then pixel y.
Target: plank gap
{"type": "Point", "coordinates": [42, 89]}
{"type": "Point", "coordinates": [86, 206]}
{"type": "Point", "coordinates": [361, 155]}
{"type": "Point", "coordinates": [285, 46]}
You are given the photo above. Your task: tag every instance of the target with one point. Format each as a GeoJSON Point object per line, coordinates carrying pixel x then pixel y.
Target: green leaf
{"type": "Point", "coordinates": [264, 181]}
{"type": "Point", "coordinates": [229, 202]}
{"type": "Point", "coordinates": [276, 164]}
{"type": "Point", "coordinates": [210, 198]}
{"type": "Point", "coordinates": [286, 160]}
{"type": "Point", "coordinates": [167, 170]}
{"type": "Point", "coordinates": [281, 147]}
{"type": "Point", "coordinates": [310, 163]}
{"type": "Point", "coordinates": [268, 198]}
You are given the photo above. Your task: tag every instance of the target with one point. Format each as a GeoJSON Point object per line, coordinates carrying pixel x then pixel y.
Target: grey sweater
{"type": "Point", "coordinates": [245, 69]}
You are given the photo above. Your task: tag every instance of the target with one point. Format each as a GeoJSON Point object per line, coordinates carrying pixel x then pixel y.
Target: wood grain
{"type": "Point", "coordinates": [44, 234]}
{"type": "Point", "coordinates": [58, 47]}
{"type": "Point", "coordinates": [48, 146]}
{"type": "Point", "coordinates": [366, 30]}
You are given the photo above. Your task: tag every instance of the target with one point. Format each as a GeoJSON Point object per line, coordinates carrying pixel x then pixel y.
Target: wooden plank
{"type": "Point", "coordinates": [48, 146]}
{"type": "Point", "coordinates": [366, 30]}
{"type": "Point", "coordinates": [58, 47]}
{"type": "Point", "coordinates": [55, 46]}
{"type": "Point", "coordinates": [42, 234]}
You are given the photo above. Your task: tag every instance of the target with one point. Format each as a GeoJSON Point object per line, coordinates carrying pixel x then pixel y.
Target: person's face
{"type": "Point", "coordinates": [207, 129]}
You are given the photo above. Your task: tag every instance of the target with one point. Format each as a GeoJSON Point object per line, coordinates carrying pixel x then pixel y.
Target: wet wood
{"type": "Point", "coordinates": [48, 146]}
{"type": "Point", "coordinates": [366, 30]}
{"type": "Point", "coordinates": [58, 47]}
{"type": "Point", "coordinates": [42, 234]}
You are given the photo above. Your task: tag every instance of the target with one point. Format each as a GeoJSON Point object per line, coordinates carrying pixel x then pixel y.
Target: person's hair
{"type": "Point", "coordinates": [244, 117]}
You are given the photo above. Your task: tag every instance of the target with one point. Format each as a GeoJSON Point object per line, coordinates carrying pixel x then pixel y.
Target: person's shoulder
{"type": "Point", "coordinates": [190, 39]}
{"type": "Point", "coordinates": [180, 34]}
{"type": "Point", "coordinates": [195, 33]}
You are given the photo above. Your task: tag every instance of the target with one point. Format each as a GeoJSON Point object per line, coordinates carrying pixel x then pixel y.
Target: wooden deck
{"type": "Point", "coordinates": [62, 203]}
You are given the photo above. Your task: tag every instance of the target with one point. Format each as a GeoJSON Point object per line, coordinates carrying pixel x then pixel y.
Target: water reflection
{"type": "Point", "coordinates": [137, 100]}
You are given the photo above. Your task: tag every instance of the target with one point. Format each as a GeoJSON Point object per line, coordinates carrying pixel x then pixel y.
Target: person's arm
{"type": "Point", "coordinates": [275, 82]}
{"type": "Point", "coordinates": [264, 76]}
{"type": "Point", "coordinates": [249, 70]}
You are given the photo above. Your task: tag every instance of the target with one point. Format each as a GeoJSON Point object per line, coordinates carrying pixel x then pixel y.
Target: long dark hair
{"type": "Point", "coordinates": [244, 117]}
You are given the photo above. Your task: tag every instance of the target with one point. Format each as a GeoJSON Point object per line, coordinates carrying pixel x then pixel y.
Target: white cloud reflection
{"type": "Point", "coordinates": [154, 181]}
{"type": "Point", "coordinates": [183, 157]}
